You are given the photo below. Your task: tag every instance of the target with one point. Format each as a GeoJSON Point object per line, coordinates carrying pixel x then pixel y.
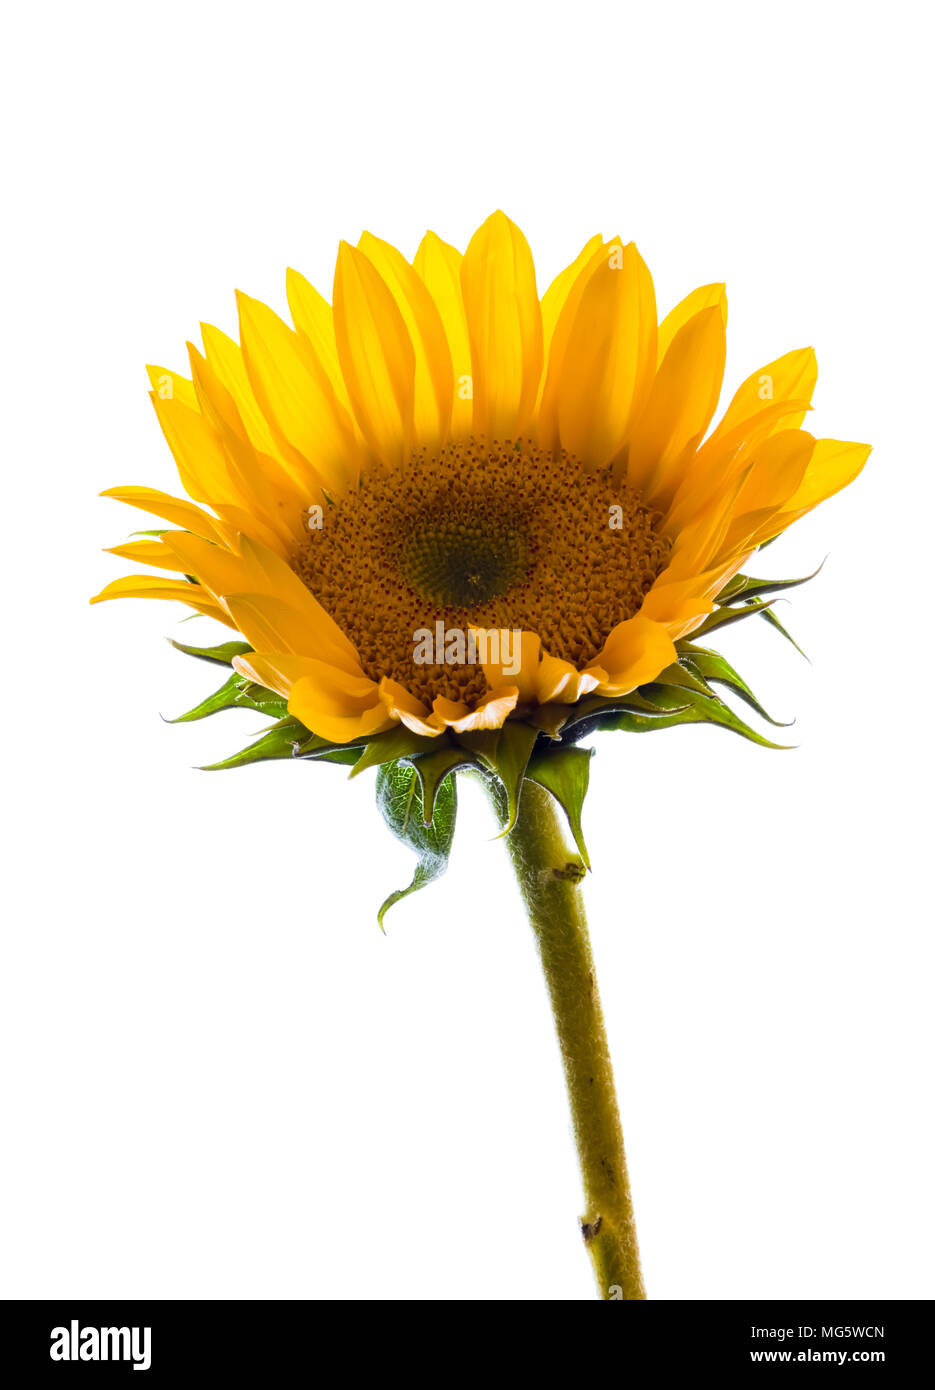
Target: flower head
{"type": "Point", "coordinates": [443, 507]}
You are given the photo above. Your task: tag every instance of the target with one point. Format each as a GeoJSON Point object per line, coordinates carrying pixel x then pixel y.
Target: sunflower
{"type": "Point", "coordinates": [458, 528]}
{"type": "Point", "coordinates": [441, 452]}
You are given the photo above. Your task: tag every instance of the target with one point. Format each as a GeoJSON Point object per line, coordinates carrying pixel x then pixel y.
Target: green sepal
{"type": "Point", "coordinates": [683, 677]}
{"type": "Point", "coordinates": [550, 719]}
{"type": "Point", "coordinates": [744, 586]}
{"type": "Point", "coordinates": [664, 707]}
{"type": "Point", "coordinates": [481, 742]}
{"type": "Point", "coordinates": [711, 667]}
{"type": "Point", "coordinates": [254, 696]}
{"type": "Point", "coordinates": [223, 655]}
{"type": "Point", "coordinates": [399, 798]}
{"type": "Point", "coordinates": [565, 772]}
{"type": "Point", "coordinates": [505, 753]}
{"type": "Point", "coordinates": [555, 720]}
{"type": "Point", "coordinates": [279, 741]}
{"type": "Point", "coordinates": [346, 755]}
{"type": "Point", "coordinates": [773, 621]}
{"type": "Point", "coordinates": [722, 617]}
{"type": "Point", "coordinates": [682, 706]}
{"type": "Point", "coordinates": [398, 742]}
{"type": "Point", "coordinates": [433, 770]}
{"type": "Point", "coordinates": [236, 693]}
{"type": "Point", "coordinates": [590, 714]}
{"type": "Point", "coordinates": [626, 722]}
{"type": "Point", "coordinates": [315, 747]}
{"type": "Point", "coordinates": [366, 751]}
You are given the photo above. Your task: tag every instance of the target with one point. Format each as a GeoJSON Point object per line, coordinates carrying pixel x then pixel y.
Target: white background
{"type": "Point", "coordinates": [218, 1078]}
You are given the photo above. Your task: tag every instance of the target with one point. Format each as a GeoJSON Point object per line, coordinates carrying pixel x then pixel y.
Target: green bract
{"type": "Point", "coordinates": [415, 775]}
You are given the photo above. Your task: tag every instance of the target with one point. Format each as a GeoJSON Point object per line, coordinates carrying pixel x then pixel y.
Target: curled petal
{"type": "Point", "coordinates": [634, 653]}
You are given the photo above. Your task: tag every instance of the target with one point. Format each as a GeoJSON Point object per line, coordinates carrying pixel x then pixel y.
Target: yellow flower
{"type": "Point", "coordinates": [442, 454]}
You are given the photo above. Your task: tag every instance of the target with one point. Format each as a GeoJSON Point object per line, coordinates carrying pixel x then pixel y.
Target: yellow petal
{"type": "Point", "coordinates": [313, 316]}
{"type": "Point", "coordinates": [376, 355]}
{"type": "Point", "coordinates": [683, 398]}
{"type": "Point", "coordinates": [199, 455]}
{"type": "Point", "coordinates": [698, 542]}
{"type": "Point", "coordinates": [792, 376]}
{"type": "Point", "coordinates": [439, 267]}
{"type": "Point", "coordinates": [433, 382]}
{"type": "Point", "coordinates": [610, 358]}
{"type": "Point", "coordinates": [681, 605]}
{"type": "Point", "coordinates": [225, 358]}
{"type": "Point", "coordinates": [556, 296]}
{"type": "Point", "coordinates": [275, 576]}
{"type": "Point", "coordinates": [253, 484]}
{"type": "Point", "coordinates": [554, 361]}
{"type": "Point", "coordinates": [526, 679]}
{"type": "Point", "coordinates": [312, 430]}
{"type": "Point", "coordinates": [273, 624]}
{"type": "Point", "coordinates": [540, 677]}
{"type": "Point", "coordinates": [336, 707]}
{"type": "Point", "coordinates": [707, 472]}
{"type": "Point", "coordinates": [342, 706]}
{"type": "Point", "coordinates": [448, 712]}
{"type": "Point", "coordinates": [677, 607]}
{"type": "Point", "coordinates": [776, 470]}
{"type": "Point", "coordinates": [634, 653]}
{"type": "Point", "coordinates": [704, 297]}
{"type": "Point", "coordinates": [214, 401]}
{"type": "Point", "coordinates": [405, 708]}
{"type": "Point", "coordinates": [833, 465]}
{"type": "Point", "coordinates": [217, 464]}
{"type": "Point", "coordinates": [562, 682]}
{"type": "Point", "coordinates": [150, 552]}
{"type": "Point", "coordinates": [490, 712]}
{"type": "Point", "coordinates": [219, 570]}
{"type": "Point", "coordinates": [498, 281]}
{"type": "Point", "coordinates": [170, 386]}
{"type": "Point", "coordinates": [175, 509]}
{"type": "Point", "coordinates": [249, 524]}
{"type": "Point", "coordinates": [283, 615]}
{"type": "Point", "coordinates": [153, 586]}
{"type": "Point", "coordinates": [671, 596]}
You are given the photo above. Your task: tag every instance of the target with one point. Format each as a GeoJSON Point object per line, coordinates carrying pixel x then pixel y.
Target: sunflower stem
{"type": "Point", "coordinates": [549, 875]}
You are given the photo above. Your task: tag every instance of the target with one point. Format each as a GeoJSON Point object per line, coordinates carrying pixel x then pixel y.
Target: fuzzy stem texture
{"type": "Point", "coordinates": [549, 876]}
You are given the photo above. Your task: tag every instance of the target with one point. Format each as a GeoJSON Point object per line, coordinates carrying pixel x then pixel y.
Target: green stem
{"type": "Point", "coordinates": [549, 875]}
